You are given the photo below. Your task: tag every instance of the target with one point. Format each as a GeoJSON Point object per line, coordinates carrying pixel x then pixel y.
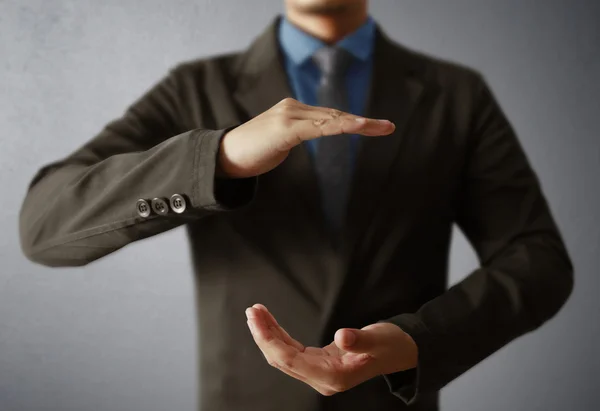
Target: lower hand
{"type": "Point", "coordinates": [354, 356]}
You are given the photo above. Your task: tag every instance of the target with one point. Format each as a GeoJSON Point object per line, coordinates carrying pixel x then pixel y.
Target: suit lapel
{"type": "Point", "coordinates": [393, 96]}
{"type": "Point", "coordinates": [395, 93]}
{"type": "Point", "coordinates": [262, 81]}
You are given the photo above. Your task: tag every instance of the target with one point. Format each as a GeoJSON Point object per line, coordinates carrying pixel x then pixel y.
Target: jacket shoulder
{"type": "Point", "coordinates": [446, 74]}
{"type": "Point", "coordinates": [205, 68]}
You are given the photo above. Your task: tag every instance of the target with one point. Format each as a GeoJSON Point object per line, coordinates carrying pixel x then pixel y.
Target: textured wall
{"type": "Point", "coordinates": [119, 334]}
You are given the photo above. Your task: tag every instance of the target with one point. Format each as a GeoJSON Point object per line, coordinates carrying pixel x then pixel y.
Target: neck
{"type": "Point", "coordinates": [328, 27]}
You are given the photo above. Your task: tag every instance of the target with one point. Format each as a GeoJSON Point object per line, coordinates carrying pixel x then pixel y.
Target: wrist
{"type": "Point", "coordinates": [413, 352]}
{"type": "Point", "coordinates": [222, 164]}
{"type": "Point", "coordinates": [407, 356]}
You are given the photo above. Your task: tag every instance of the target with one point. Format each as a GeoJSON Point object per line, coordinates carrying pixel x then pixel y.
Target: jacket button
{"type": "Point", "coordinates": [178, 203]}
{"type": "Point", "coordinates": [143, 208]}
{"type": "Point", "coordinates": [160, 206]}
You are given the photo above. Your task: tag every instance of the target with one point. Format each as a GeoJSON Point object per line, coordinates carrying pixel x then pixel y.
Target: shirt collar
{"type": "Point", "coordinates": [299, 46]}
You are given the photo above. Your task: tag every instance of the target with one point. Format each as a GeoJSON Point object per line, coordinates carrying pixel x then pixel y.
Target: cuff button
{"type": "Point", "coordinates": [160, 206]}
{"type": "Point", "coordinates": [178, 203]}
{"type": "Point", "coordinates": [143, 208]}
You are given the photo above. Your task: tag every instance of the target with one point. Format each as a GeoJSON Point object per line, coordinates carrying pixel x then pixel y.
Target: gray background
{"type": "Point", "coordinates": [120, 334]}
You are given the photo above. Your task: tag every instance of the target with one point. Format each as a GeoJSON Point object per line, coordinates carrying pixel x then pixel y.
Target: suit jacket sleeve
{"type": "Point", "coordinates": [84, 207]}
{"type": "Point", "coordinates": [525, 273]}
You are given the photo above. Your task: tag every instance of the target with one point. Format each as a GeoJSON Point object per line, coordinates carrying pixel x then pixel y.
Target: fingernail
{"type": "Point", "coordinates": [361, 120]}
{"type": "Point", "coordinates": [248, 313]}
{"type": "Point", "coordinates": [350, 338]}
{"type": "Point", "coordinates": [384, 121]}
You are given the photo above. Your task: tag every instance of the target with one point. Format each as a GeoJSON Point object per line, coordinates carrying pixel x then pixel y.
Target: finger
{"type": "Point", "coordinates": [258, 326]}
{"type": "Point", "coordinates": [278, 353]}
{"type": "Point", "coordinates": [264, 325]}
{"type": "Point", "coordinates": [271, 321]}
{"type": "Point", "coordinates": [357, 341]}
{"type": "Point", "coordinates": [300, 111]}
{"type": "Point", "coordinates": [306, 112]}
{"type": "Point", "coordinates": [332, 118]}
{"type": "Point", "coordinates": [283, 356]}
{"type": "Point", "coordinates": [310, 129]}
{"type": "Point", "coordinates": [275, 350]}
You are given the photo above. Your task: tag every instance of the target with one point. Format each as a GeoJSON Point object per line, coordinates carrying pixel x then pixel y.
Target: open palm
{"type": "Point", "coordinates": [336, 367]}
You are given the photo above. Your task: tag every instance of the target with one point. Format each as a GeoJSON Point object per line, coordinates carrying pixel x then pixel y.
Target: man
{"type": "Point", "coordinates": [296, 197]}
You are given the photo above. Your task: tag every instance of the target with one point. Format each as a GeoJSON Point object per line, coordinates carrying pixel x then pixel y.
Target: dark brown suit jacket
{"type": "Point", "coordinates": [453, 158]}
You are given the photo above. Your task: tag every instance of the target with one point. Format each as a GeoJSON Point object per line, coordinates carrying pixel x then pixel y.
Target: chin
{"type": "Point", "coordinates": [325, 6]}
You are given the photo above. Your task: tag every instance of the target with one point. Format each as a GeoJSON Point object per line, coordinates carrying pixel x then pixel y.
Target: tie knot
{"type": "Point", "coordinates": [332, 61]}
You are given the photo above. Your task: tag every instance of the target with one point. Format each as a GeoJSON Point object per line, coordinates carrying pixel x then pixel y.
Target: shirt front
{"type": "Point", "coordinates": [298, 48]}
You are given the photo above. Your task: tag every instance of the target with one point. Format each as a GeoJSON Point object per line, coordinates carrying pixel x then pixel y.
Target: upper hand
{"type": "Point", "coordinates": [262, 143]}
{"type": "Point", "coordinates": [353, 357]}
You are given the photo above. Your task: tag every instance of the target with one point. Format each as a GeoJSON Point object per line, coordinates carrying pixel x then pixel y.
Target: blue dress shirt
{"type": "Point", "coordinates": [303, 75]}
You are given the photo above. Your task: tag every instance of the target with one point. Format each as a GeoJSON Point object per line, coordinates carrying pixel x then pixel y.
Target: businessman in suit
{"type": "Point", "coordinates": [319, 174]}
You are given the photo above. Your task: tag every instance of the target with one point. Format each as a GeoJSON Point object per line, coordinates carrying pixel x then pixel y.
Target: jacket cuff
{"type": "Point", "coordinates": [407, 385]}
{"type": "Point", "coordinates": [210, 192]}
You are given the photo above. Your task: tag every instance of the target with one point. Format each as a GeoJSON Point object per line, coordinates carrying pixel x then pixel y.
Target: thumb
{"type": "Point", "coordinates": [357, 341]}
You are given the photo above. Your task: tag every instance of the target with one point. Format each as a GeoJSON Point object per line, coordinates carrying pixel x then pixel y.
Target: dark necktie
{"type": "Point", "coordinates": [333, 153]}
